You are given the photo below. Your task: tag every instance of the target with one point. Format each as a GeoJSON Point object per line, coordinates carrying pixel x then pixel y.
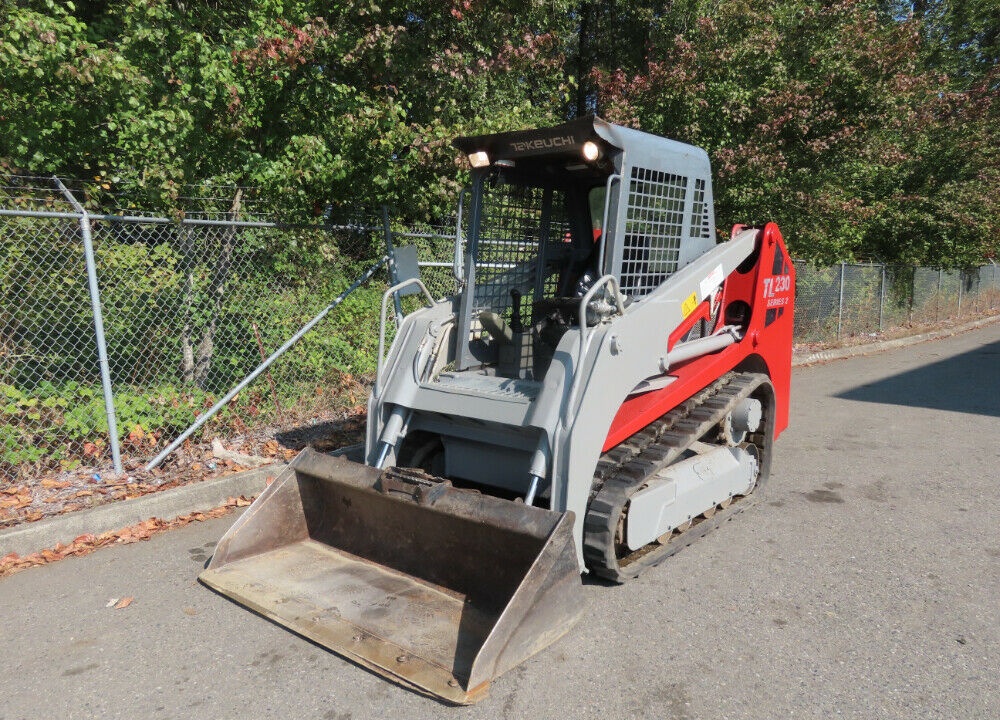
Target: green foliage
{"type": "Point", "coordinates": [55, 425]}
{"type": "Point", "coordinates": [961, 37]}
{"type": "Point", "coordinates": [837, 122]}
{"type": "Point", "coordinates": [310, 101]}
{"type": "Point", "coordinates": [53, 422]}
{"type": "Point", "coordinates": [867, 128]}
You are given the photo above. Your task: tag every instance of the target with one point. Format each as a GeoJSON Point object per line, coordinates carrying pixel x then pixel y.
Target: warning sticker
{"type": "Point", "coordinates": [689, 305]}
{"type": "Point", "coordinates": [711, 282]}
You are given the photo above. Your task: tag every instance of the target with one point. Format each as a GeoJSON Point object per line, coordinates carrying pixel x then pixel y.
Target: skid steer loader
{"type": "Point", "coordinates": [604, 387]}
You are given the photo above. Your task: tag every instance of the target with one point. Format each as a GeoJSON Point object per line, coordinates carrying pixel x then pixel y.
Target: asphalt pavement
{"type": "Point", "coordinates": [864, 583]}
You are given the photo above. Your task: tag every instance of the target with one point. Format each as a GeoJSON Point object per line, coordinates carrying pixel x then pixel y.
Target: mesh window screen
{"type": "Point", "coordinates": [510, 252]}
{"type": "Point", "coordinates": [654, 225]}
{"type": "Point", "coordinates": [700, 224]}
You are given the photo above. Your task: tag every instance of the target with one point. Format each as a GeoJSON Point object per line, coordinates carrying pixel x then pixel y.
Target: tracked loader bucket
{"type": "Point", "coordinates": [437, 588]}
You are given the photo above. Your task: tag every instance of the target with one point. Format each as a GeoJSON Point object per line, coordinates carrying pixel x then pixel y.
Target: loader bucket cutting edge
{"type": "Point", "coordinates": [441, 596]}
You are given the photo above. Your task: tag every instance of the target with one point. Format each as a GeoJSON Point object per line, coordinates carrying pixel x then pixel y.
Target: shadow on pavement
{"type": "Point", "coordinates": [968, 383]}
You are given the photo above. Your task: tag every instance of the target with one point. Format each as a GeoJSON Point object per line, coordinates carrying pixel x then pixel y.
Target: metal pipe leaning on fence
{"type": "Point", "coordinates": [202, 419]}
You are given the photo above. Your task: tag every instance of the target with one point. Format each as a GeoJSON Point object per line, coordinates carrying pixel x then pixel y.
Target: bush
{"type": "Point", "coordinates": [67, 422]}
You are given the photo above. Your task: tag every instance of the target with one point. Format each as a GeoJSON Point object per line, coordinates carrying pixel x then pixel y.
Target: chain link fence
{"type": "Point", "coordinates": [191, 306]}
{"type": "Point", "coordinates": [849, 300]}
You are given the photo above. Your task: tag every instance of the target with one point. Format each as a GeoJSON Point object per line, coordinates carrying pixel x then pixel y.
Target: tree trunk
{"type": "Point", "coordinates": [584, 59]}
{"type": "Point", "coordinates": [196, 362]}
{"type": "Point", "coordinates": [187, 332]}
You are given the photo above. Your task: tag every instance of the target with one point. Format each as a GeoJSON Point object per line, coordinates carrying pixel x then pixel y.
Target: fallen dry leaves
{"type": "Point", "coordinates": [15, 498]}
{"type": "Point", "coordinates": [55, 484]}
{"type": "Point", "coordinates": [56, 492]}
{"type": "Point", "coordinates": [86, 544]}
{"type": "Point", "coordinates": [82, 489]}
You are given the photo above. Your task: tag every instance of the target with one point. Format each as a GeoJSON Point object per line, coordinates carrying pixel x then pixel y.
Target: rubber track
{"type": "Point", "coordinates": [626, 467]}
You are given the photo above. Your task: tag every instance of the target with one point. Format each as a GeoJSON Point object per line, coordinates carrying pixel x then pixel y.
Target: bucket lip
{"type": "Point", "coordinates": [358, 644]}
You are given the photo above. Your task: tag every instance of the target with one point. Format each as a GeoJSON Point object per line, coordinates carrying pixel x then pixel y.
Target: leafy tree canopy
{"type": "Point", "coordinates": [867, 128]}
{"type": "Point", "coordinates": [311, 100]}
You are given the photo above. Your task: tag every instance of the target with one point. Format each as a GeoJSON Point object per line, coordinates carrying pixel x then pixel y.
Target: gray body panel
{"type": "Point", "coordinates": [683, 490]}
{"type": "Point", "coordinates": [621, 354]}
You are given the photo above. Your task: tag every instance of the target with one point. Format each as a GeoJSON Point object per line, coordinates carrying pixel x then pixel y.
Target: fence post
{"type": "Point", "coordinates": [937, 297]}
{"type": "Point", "coordinates": [993, 282]}
{"type": "Point", "coordinates": [961, 286]}
{"type": "Point", "coordinates": [95, 305]}
{"type": "Point", "coordinates": [840, 303]}
{"type": "Point", "coordinates": [881, 299]}
{"type": "Point", "coordinates": [910, 299]}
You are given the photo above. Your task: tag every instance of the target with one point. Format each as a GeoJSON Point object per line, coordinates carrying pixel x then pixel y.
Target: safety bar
{"type": "Point", "coordinates": [376, 390]}
{"type": "Point", "coordinates": [587, 334]}
{"type": "Point", "coordinates": [458, 265]}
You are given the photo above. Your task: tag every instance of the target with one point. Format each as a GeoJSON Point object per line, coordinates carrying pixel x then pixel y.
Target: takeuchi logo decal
{"type": "Point", "coordinates": [543, 143]}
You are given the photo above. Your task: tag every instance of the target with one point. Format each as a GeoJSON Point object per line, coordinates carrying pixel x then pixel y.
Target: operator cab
{"type": "Point", "coordinates": [534, 243]}
{"type": "Point", "coordinates": [555, 210]}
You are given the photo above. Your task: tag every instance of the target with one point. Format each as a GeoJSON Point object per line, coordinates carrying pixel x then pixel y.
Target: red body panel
{"type": "Point", "coordinates": [768, 288]}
